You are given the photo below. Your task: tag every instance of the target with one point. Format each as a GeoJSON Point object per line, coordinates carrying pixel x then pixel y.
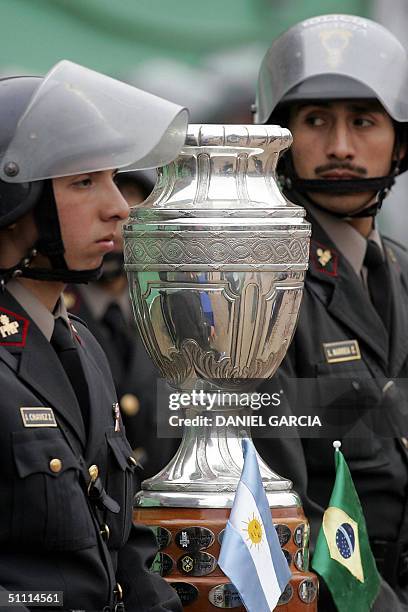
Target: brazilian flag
{"type": "Point", "coordinates": [343, 555]}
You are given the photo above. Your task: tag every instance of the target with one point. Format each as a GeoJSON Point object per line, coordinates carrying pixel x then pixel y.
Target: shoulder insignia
{"type": "Point", "coordinates": [13, 328]}
{"type": "Point", "coordinates": [324, 260]}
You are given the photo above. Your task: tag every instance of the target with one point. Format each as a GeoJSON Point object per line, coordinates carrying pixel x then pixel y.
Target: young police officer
{"type": "Point", "coordinates": [339, 83]}
{"type": "Point", "coordinates": [66, 475]}
{"type": "Point", "coordinates": [106, 309]}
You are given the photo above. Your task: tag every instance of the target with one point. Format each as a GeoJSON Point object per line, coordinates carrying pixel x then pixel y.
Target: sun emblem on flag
{"type": "Point", "coordinates": [254, 530]}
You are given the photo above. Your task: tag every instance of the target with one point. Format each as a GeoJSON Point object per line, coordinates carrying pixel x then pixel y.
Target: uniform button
{"type": "Point", "coordinates": [130, 404]}
{"type": "Point", "coordinates": [55, 465]}
{"type": "Point", "coordinates": [93, 472]}
{"type": "Point", "coordinates": [133, 461]}
{"type": "Point", "coordinates": [356, 385]}
{"type": "Point", "coordinates": [105, 532]}
{"type": "Point", "coordinates": [405, 442]}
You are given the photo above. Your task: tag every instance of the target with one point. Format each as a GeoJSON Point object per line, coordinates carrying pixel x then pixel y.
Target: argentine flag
{"type": "Point", "coordinates": [251, 555]}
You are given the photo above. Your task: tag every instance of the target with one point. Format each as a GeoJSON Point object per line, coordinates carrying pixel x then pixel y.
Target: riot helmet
{"type": "Point", "coordinates": [73, 121]}
{"type": "Point", "coordinates": [335, 57]}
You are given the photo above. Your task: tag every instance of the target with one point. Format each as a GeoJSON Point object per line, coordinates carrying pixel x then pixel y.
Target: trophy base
{"type": "Point", "coordinates": [189, 540]}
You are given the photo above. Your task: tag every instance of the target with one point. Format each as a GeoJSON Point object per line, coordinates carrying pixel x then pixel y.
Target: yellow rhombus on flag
{"type": "Point", "coordinates": [343, 555]}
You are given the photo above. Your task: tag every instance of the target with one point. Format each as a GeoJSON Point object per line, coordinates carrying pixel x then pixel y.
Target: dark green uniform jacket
{"type": "Point", "coordinates": [49, 528]}
{"type": "Point", "coordinates": [355, 396]}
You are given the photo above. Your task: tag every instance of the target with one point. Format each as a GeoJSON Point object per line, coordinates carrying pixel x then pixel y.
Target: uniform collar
{"type": "Point", "coordinates": [347, 240]}
{"type": "Point", "coordinates": [42, 317]}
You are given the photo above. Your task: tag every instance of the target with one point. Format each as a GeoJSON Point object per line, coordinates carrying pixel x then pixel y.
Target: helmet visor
{"type": "Point", "coordinates": [81, 121]}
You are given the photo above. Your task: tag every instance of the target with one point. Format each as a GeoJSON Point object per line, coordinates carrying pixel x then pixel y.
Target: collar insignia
{"type": "Point", "coordinates": [13, 328]}
{"type": "Point", "coordinates": [325, 260]}
{"type": "Point", "coordinates": [323, 257]}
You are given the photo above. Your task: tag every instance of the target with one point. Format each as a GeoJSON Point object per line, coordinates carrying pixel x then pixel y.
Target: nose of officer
{"type": "Point", "coordinates": [114, 205]}
{"type": "Point", "coordinates": [340, 142]}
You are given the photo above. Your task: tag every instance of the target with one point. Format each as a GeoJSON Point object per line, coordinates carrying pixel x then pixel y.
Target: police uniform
{"type": "Point", "coordinates": [342, 347]}
{"type": "Point", "coordinates": [66, 511]}
{"type": "Point", "coordinates": [135, 376]}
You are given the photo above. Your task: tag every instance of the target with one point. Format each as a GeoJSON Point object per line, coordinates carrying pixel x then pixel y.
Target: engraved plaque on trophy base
{"type": "Point", "coordinates": [194, 547]}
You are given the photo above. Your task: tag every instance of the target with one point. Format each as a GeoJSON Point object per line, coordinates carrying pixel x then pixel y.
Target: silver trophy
{"type": "Point", "coordinates": [216, 258]}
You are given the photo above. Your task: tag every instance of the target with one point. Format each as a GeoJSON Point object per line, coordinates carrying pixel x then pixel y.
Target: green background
{"type": "Point", "coordinates": [113, 36]}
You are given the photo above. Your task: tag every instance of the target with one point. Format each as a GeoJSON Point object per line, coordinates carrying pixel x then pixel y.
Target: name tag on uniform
{"type": "Point", "coordinates": [346, 350]}
{"type": "Point", "coordinates": [38, 417]}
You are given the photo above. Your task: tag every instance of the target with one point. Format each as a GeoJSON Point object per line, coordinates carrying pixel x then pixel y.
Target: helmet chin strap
{"type": "Point", "coordinates": [7, 274]}
{"type": "Point", "coordinates": [49, 244]}
{"type": "Point", "coordinates": [381, 185]}
{"type": "Point", "coordinates": [23, 269]}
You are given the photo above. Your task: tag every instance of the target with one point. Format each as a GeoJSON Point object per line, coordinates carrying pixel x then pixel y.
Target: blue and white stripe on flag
{"type": "Point", "coordinates": [251, 555]}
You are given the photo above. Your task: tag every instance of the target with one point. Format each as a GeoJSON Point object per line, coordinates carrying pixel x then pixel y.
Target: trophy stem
{"type": "Point", "coordinates": [209, 458]}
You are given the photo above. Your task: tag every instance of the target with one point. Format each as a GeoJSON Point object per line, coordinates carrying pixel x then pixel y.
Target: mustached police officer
{"type": "Point", "coordinates": [66, 475]}
{"type": "Point", "coordinates": [340, 84]}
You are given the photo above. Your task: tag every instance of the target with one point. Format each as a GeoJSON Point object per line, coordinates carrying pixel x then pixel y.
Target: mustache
{"type": "Point", "coordinates": [341, 166]}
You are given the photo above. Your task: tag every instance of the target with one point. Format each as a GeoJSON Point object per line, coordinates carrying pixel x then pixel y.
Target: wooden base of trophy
{"type": "Point", "coordinates": [189, 541]}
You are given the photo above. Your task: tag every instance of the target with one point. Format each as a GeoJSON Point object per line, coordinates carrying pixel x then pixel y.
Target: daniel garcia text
{"type": "Point", "coordinates": [247, 420]}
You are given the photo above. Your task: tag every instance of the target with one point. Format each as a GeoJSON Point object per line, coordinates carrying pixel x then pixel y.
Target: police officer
{"type": "Point", "coordinates": [105, 307]}
{"type": "Point", "coordinates": [340, 84]}
{"type": "Point", "coordinates": [66, 474]}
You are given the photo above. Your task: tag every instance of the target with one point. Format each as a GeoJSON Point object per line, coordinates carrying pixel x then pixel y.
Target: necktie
{"type": "Point", "coordinates": [378, 281]}
{"type": "Point", "coordinates": [118, 329]}
{"type": "Point", "coordinates": [65, 347]}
